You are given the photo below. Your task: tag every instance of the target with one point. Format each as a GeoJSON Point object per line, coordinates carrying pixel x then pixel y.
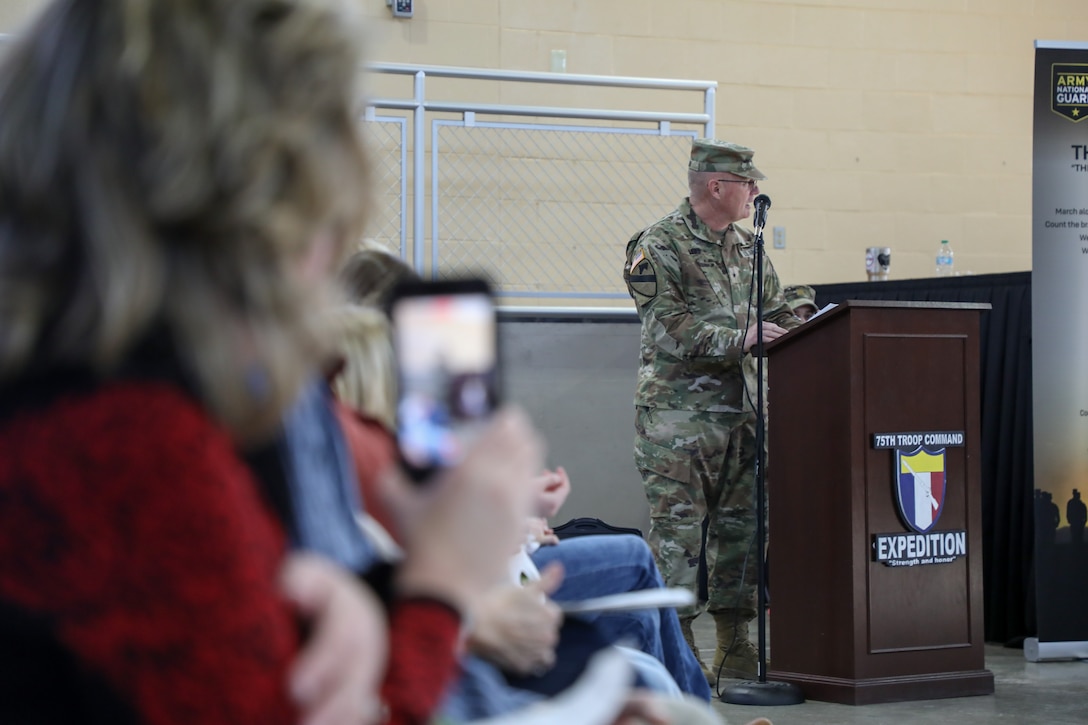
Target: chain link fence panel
{"type": "Point", "coordinates": [546, 211]}
{"type": "Point", "coordinates": [542, 204]}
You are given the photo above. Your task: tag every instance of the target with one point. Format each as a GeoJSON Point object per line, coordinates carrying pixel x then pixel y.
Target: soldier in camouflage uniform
{"type": "Point", "coordinates": [802, 300]}
{"type": "Point", "coordinates": [691, 276]}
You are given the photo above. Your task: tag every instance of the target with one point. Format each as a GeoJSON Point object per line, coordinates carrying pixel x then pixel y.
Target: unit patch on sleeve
{"type": "Point", "coordinates": [641, 277]}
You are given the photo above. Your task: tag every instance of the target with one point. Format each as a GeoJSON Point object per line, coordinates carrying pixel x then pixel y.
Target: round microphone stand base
{"type": "Point", "coordinates": [765, 694]}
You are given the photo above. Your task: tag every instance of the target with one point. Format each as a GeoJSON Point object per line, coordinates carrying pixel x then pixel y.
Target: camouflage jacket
{"type": "Point", "coordinates": [692, 286]}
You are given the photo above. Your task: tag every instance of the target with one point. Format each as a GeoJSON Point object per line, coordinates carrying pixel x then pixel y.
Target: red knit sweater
{"type": "Point", "coordinates": [130, 527]}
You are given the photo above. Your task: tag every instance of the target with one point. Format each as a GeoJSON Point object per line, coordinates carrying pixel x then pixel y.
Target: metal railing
{"type": "Point", "coordinates": [542, 198]}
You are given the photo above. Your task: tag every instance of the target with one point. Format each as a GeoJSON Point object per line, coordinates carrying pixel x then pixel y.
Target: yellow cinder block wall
{"type": "Point", "coordinates": [880, 122]}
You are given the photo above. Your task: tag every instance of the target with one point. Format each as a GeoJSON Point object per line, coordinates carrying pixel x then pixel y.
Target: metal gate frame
{"type": "Point", "coordinates": [420, 108]}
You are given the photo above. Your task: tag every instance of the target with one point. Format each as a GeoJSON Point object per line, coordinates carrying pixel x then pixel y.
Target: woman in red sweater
{"type": "Point", "coordinates": [177, 181]}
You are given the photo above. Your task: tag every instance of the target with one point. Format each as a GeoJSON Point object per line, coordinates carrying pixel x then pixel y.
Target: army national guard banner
{"type": "Point", "coordinates": [1060, 348]}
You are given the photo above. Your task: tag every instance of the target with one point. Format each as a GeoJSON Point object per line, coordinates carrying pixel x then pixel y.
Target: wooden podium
{"type": "Point", "coordinates": [845, 627]}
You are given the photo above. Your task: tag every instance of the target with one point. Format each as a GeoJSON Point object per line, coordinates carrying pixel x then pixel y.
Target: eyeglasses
{"type": "Point", "coordinates": [750, 183]}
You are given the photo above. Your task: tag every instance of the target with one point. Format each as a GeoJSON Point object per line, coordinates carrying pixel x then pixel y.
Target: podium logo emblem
{"type": "Point", "coordinates": [920, 479]}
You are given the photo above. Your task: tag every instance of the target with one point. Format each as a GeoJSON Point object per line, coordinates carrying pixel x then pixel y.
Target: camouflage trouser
{"type": "Point", "coordinates": [696, 464]}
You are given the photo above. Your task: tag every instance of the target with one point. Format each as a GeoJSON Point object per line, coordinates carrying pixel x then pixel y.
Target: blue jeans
{"type": "Point", "coordinates": [598, 565]}
{"type": "Point", "coordinates": [481, 692]}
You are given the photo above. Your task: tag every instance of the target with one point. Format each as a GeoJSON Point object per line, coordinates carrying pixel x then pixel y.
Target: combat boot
{"type": "Point", "coordinates": [735, 655]}
{"type": "Point", "coordinates": [689, 637]}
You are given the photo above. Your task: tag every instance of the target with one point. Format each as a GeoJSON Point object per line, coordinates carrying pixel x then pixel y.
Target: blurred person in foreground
{"type": "Point", "coordinates": [593, 566]}
{"type": "Point", "coordinates": [519, 649]}
{"type": "Point", "coordinates": [177, 182]}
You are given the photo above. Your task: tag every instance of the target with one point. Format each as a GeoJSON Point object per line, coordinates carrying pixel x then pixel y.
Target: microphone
{"type": "Point", "coordinates": [762, 204]}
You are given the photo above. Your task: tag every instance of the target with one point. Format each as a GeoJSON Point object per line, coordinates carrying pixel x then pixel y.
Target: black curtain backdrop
{"type": "Point", "coordinates": [1007, 462]}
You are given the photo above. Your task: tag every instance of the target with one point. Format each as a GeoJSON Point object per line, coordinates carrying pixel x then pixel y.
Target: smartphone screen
{"type": "Point", "coordinates": [445, 340]}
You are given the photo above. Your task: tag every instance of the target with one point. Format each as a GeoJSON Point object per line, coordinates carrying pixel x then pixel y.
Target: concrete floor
{"type": "Point", "coordinates": [1053, 693]}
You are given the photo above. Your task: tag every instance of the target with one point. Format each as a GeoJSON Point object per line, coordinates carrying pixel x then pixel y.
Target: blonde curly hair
{"type": "Point", "coordinates": [367, 380]}
{"type": "Point", "coordinates": [166, 165]}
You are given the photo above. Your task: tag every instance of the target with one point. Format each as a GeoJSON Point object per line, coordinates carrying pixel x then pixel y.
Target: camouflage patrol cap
{"type": "Point", "coordinates": [799, 295]}
{"type": "Point", "coordinates": [710, 154]}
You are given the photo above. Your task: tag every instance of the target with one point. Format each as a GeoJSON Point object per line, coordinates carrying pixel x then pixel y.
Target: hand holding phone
{"type": "Point", "coordinates": [445, 340]}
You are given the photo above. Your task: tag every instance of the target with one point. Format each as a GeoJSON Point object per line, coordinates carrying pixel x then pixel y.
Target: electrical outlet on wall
{"type": "Point", "coordinates": [780, 237]}
{"type": "Point", "coordinates": [558, 61]}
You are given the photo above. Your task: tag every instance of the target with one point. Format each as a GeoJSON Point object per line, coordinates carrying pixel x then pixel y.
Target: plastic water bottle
{"type": "Point", "coordinates": [945, 259]}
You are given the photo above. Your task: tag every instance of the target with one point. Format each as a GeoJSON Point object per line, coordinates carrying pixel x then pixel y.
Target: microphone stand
{"type": "Point", "coordinates": [761, 692]}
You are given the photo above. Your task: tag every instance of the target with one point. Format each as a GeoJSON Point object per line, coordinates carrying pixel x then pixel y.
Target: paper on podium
{"type": "Point", "coordinates": [829, 306]}
{"type": "Point", "coordinates": [639, 599]}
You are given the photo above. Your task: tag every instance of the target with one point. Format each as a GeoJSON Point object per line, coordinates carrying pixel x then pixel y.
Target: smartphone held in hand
{"type": "Point", "coordinates": [445, 339]}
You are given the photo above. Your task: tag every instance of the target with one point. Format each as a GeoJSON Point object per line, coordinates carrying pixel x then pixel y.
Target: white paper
{"type": "Point", "coordinates": [825, 308]}
{"type": "Point", "coordinates": [595, 699]}
{"type": "Point", "coordinates": [640, 599]}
